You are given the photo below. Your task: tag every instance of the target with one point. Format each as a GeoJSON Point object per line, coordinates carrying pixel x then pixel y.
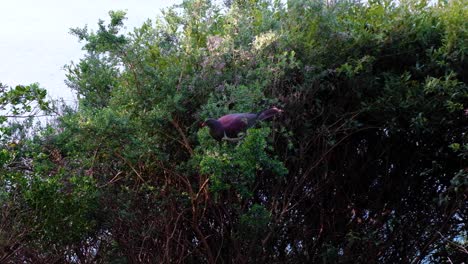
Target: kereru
{"type": "Point", "coordinates": [229, 126]}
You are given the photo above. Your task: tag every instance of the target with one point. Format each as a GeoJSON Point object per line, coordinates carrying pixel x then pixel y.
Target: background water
{"type": "Point", "coordinates": [35, 42]}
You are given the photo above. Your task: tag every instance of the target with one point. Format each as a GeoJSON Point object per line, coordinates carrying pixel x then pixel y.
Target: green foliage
{"type": "Point", "coordinates": [61, 211]}
{"type": "Point", "coordinates": [93, 80]}
{"type": "Point", "coordinates": [106, 39]}
{"type": "Point", "coordinates": [255, 221]}
{"type": "Point", "coordinates": [237, 167]}
{"type": "Point", "coordinates": [21, 100]}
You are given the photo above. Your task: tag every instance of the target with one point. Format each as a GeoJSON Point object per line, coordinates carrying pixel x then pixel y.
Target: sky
{"type": "Point", "coordinates": [35, 42]}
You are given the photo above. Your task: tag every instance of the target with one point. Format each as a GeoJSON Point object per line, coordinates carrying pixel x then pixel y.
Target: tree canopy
{"type": "Point", "coordinates": [367, 164]}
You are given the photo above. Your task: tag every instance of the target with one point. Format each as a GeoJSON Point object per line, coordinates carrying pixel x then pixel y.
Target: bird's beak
{"type": "Point", "coordinates": [203, 124]}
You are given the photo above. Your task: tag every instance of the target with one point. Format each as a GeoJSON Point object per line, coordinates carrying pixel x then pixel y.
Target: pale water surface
{"type": "Point", "coordinates": [35, 42]}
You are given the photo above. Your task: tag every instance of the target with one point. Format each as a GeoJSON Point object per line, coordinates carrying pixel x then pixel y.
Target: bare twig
{"type": "Point", "coordinates": [185, 143]}
{"type": "Point", "coordinates": [131, 166]}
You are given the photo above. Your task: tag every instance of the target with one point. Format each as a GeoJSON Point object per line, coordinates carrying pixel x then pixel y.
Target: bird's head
{"type": "Point", "coordinates": [210, 122]}
{"type": "Point", "coordinates": [216, 129]}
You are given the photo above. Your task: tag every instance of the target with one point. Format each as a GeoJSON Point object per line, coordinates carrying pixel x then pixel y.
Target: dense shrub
{"type": "Point", "coordinates": [367, 164]}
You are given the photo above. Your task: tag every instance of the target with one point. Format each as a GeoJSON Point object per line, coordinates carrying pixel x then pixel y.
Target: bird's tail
{"type": "Point", "coordinates": [269, 113]}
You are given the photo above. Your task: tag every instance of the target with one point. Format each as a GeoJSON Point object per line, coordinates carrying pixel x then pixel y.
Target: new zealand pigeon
{"type": "Point", "coordinates": [229, 126]}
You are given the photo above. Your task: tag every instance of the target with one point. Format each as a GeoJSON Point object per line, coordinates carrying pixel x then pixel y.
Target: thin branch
{"type": "Point", "coordinates": [202, 187]}
{"type": "Point", "coordinates": [130, 165]}
{"type": "Point", "coordinates": [27, 116]}
{"type": "Point", "coordinates": [186, 143]}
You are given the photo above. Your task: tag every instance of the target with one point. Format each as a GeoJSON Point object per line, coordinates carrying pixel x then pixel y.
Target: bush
{"type": "Point", "coordinates": [367, 163]}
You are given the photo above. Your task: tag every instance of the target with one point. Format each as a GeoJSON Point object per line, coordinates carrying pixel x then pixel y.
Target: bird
{"type": "Point", "coordinates": [228, 127]}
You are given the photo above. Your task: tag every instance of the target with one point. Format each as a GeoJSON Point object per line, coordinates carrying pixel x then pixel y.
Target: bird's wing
{"type": "Point", "coordinates": [235, 123]}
